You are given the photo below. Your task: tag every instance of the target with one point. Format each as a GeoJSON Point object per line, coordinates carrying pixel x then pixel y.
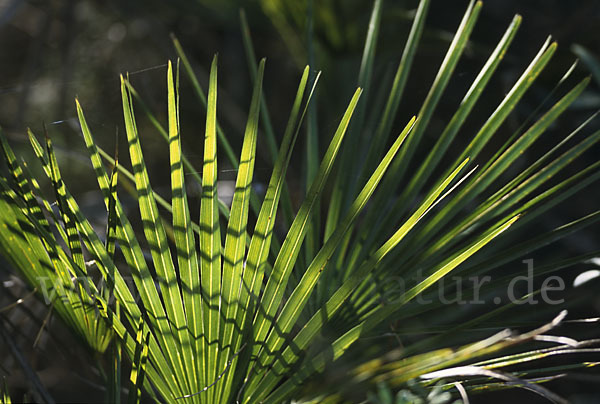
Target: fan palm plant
{"type": "Point", "coordinates": [221, 310]}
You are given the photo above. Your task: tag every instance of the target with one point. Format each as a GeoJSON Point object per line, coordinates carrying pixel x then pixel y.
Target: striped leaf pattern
{"type": "Point", "coordinates": [252, 302]}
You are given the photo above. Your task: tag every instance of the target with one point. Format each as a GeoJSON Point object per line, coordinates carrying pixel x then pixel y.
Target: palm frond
{"type": "Point", "coordinates": [248, 314]}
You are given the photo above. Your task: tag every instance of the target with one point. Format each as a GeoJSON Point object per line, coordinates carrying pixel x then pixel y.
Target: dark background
{"type": "Point", "coordinates": [52, 51]}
